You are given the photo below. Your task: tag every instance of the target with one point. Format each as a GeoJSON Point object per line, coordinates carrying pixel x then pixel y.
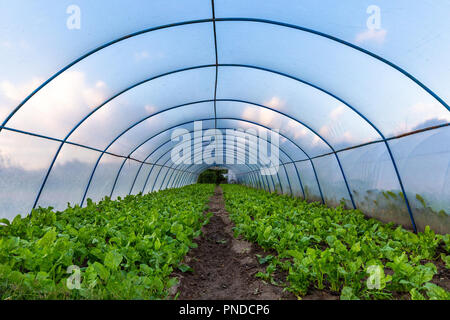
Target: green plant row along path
{"type": "Point", "coordinates": [338, 250]}
{"type": "Point", "coordinates": [123, 249]}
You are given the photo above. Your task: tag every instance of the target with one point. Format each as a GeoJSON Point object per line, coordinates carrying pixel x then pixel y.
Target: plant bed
{"type": "Point", "coordinates": [123, 249]}
{"type": "Point", "coordinates": [339, 251]}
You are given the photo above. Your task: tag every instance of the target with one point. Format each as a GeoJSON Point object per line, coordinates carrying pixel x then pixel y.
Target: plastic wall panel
{"type": "Point", "coordinates": [165, 173]}
{"type": "Point", "coordinates": [161, 172]}
{"type": "Point", "coordinates": [283, 181]}
{"type": "Point", "coordinates": [293, 178]}
{"type": "Point", "coordinates": [183, 180]}
{"type": "Point", "coordinates": [125, 180]}
{"type": "Point", "coordinates": [260, 184]}
{"type": "Point", "coordinates": [166, 181]}
{"type": "Point", "coordinates": [151, 178]}
{"type": "Point", "coordinates": [374, 184]}
{"type": "Point", "coordinates": [68, 179]}
{"type": "Point", "coordinates": [331, 181]}
{"type": "Point", "coordinates": [23, 164]}
{"type": "Point", "coordinates": [172, 178]}
{"type": "Point", "coordinates": [103, 179]}
{"type": "Point", "coordinates": [140, 179]}
{"type": "Point", "coordinates": [424, 163]}
{"type": "Point", "coordinates": [309, 181]}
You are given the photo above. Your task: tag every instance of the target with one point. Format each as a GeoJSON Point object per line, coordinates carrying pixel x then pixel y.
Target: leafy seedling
{"type": "Point", "coordinates": [185, 268]}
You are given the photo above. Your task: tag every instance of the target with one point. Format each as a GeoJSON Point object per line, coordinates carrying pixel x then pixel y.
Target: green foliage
{"type": "Point", "coordinates": [421, 200]}
{"type": "Point", "coordinates": [336, 249]}
{"type": "Point", "coordinates": [212, 176]}
{"type": "Point", "coordinates": [347, 294]}
{"type": "Point", "coordinates": [125, 249]}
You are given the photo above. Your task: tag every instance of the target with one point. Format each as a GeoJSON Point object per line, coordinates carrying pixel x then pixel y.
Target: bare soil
{"type": "Point", "coordinates": [223, 266]}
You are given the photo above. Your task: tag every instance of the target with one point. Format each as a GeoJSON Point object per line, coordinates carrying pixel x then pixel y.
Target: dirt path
{"type": "Point", "coordinates": [224, 267]}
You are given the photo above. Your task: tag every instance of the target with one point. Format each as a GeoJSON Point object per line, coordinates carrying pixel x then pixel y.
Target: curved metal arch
{"type": "Point", "coordinates": [162, 182]}
{"type": "Point", "coordinates": [214, 101]}
{"type": "Point", "coordinates": [175, 178]}
{"type": "Point", "coordinates": [265, 184]}
{"type": "Point", "coordinates": [145, 141]}
{"type": "Point", "coordinates": [140, 121]}
{"type": "Point", "coordinates": [183, 179]}
{"type": "Point", "coordinates": [238, 119]}
{"type": "Point", "coordinates": [150, 164]}
{"type": "Point", "coordinates": [292, 118]}
{"type": "Point", "coordinates": [281, 185]}
{"type": "Point", "coordinates": [168, 181]}
{"type": "Point", "coordinates": [249, 181]}
{"type": "Point", "coordinates": [168, 141]}
{"type": "Point", "coordinates": [282, 164]}
{"type": "Point", "coordinates": [156, 161]}
{"type": "Point", "coordinates": [287, 155]}
{"type": "Point", "coordinates": [255, 180]}
{"type": "Point", "coordinates": [313, 131]}
{"type": "Point", "coordinates": [165, 153]}
{"type": "Point", "coordinates": [259, 183]}
{"type": "Point", "coordinates": [235, 65]}
{"type": "Point", "coordinates": [259, 179]}
{"type": "Point", "coordinates": [195, 164]}
{"type": "Point", "coordinates": [192, 155]}
{"type": "Point", "coordinates": [137, 147]}
{"type": "Point", "coordinates": [171, 167]}
{"type": "Point", "coordinates": [178, 181]}
{"type": "Point", "coordinates": [188, 167]}
{"type": "Point", "coordinates": [257, 124]}
{"type": "Point", "coordinates": [211, 100]}
{"type": "Point", "coordinates": [326, 142]}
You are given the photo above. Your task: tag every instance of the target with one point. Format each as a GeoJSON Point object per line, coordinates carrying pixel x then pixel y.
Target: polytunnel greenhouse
{"type": "Point", "coordinates": [162, 149]}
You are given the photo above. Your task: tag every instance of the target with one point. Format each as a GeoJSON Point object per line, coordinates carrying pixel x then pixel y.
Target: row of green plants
{"type": "Point", "coordinates": [337, 250]}
{"type": "Point", "coordinates": [122, 249]}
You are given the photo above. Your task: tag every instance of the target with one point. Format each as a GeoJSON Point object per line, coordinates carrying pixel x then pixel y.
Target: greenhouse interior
{"type": "Point", "coordinates": [225, 149]}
